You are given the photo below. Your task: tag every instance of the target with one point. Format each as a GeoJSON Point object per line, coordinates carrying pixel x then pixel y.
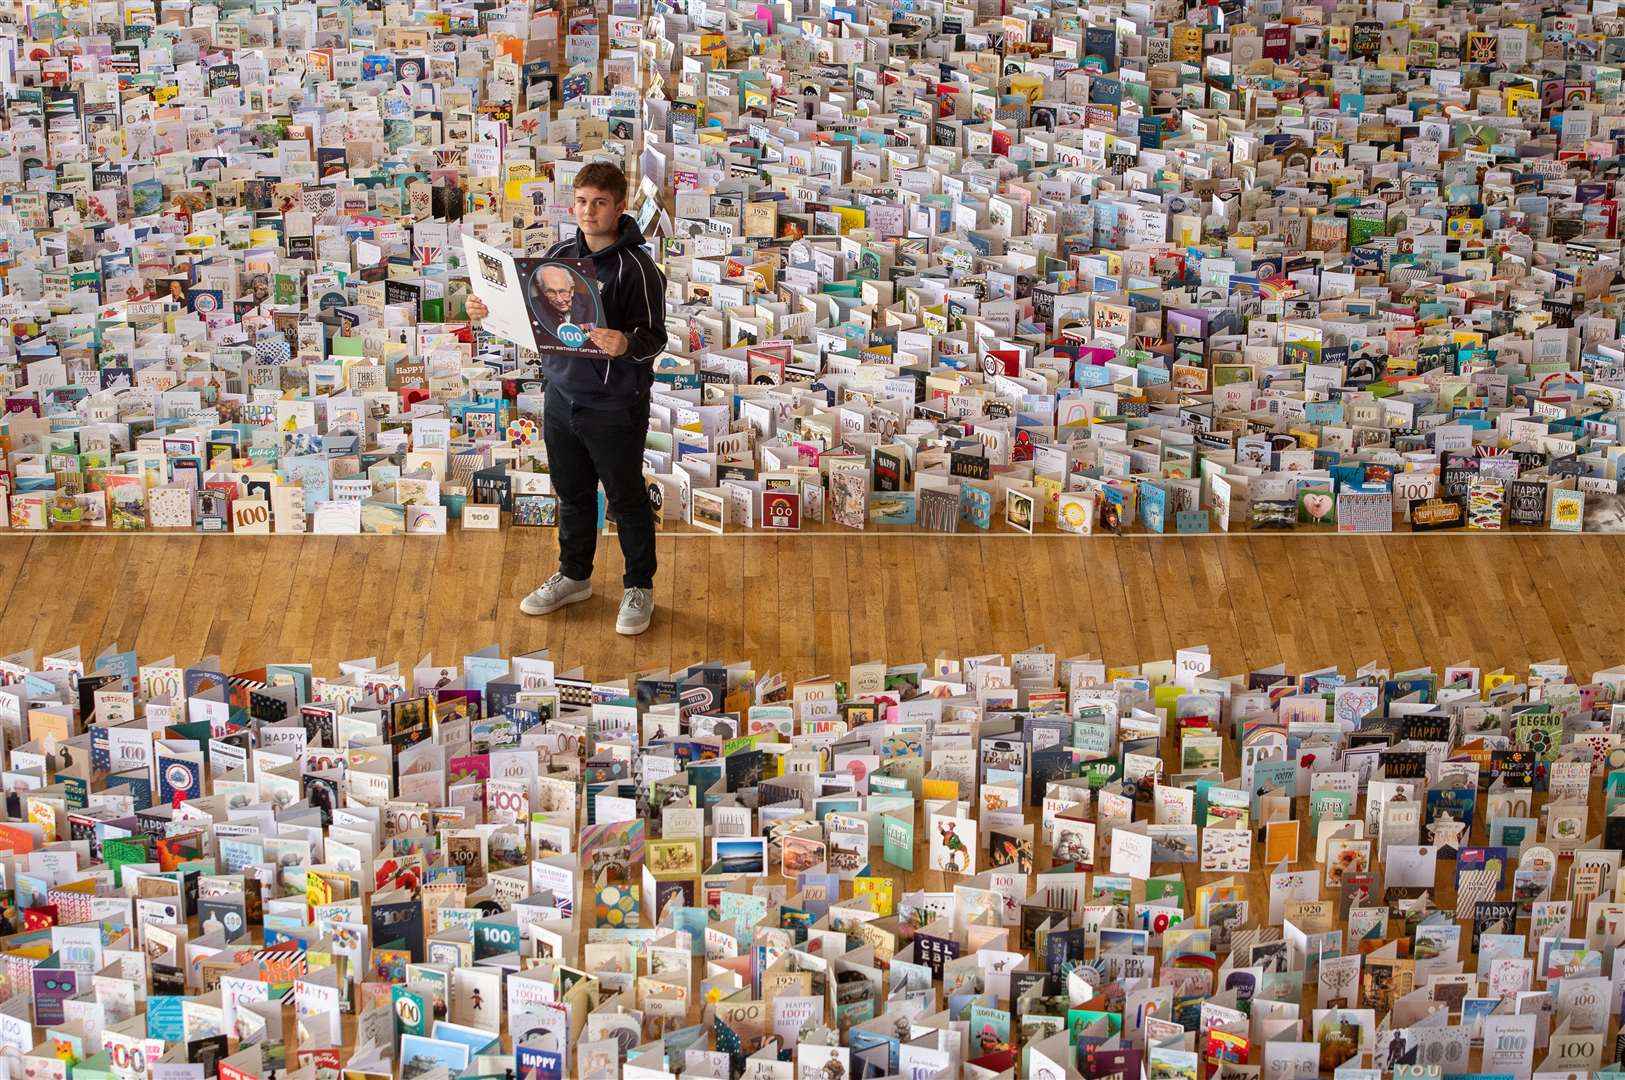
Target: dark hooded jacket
{"type": "Point", "coordinates": [633, 291]}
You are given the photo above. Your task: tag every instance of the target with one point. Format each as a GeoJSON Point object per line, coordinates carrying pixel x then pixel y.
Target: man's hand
{"type": "Point", "coordinates": [611, 341]}
{"type": "Point", "coordinates": [476, 309]}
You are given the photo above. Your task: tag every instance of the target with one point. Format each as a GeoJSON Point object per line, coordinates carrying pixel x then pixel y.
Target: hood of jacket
{"type": "Point", "coordinates": [629, 238]}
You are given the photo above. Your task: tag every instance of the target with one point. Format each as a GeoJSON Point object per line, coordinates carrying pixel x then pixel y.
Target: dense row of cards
{"type": "Point", "coordinates": [1183, 269]}
{"type": "Point", "coordinates": [503, 868]}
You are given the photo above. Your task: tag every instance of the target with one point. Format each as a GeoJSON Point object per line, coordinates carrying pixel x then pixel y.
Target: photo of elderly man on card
{"type": "Point", "coordinates": [564, 306]}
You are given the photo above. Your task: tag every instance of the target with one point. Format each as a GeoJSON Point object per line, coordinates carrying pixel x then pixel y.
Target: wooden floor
{"type": "Point", "coordinates": [814, 603]}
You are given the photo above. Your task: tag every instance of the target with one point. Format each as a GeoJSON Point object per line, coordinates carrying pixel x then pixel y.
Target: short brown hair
{"type": "Point", "coordinates": [605, 176]}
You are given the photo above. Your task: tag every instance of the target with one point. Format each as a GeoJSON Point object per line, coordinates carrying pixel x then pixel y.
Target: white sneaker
{"type": "Point", "coordinates": [554, 593]}
{"type": "Point", "coordinates": [637, 610]}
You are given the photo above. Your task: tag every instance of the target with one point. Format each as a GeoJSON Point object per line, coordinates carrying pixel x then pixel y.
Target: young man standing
{"type": "Point", "coordinates": [596, 411]}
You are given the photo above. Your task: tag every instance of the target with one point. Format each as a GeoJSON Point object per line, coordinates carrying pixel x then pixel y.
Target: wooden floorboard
{"type": "Point", "coordinates": [816, 603]}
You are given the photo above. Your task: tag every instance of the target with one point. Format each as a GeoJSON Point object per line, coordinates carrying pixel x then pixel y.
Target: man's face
{"type": "Point", "coordinates": [597, 211]}
{"type": "Point", "coordinates": [558, 290]}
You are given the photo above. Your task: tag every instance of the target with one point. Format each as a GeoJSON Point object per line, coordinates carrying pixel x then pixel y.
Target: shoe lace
{"type": "Point", "coordinates": [554, 582]}
{"type": "Point", "coordinates": [637, 599]}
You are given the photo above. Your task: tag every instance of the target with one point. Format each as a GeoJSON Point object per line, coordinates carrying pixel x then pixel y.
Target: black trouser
{"type": "Point", "coordinates": [586, 446]}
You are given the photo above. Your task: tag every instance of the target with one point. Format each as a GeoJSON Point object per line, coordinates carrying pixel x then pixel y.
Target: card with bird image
{"type": "Point", "coordinates": [953, 844]}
